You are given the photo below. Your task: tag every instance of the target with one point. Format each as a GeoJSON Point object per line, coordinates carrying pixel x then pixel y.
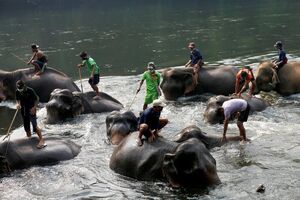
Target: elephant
{"type": "Point", "coordinates": [179, 82]}
{"type": "Point", "coordinates": [185, 162]}
{"type": "Point", "coordinates": [43, 85]}
{"type": "Point", "coordinates": [22, 153]}
{"type": "Point", "coordinates": [65, 104]}
{"type": "Point", "coordinates": [286, 81]}
{"type": "Point", "coordinates": [119, 125]}
{"type": "Point", "coordinates": [211, 116]}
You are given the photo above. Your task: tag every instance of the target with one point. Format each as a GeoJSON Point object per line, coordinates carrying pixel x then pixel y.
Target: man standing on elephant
{"type": "Point", "coordinates": [243, 78]}
{"type": "Point", "coordinates": [196, 60]}
{"type": "Point", "coordinates": [152, 78]}
{"type": "Point", "coordinates": [38, 60]}
{"type": "Point", "coordinates": [94, 71]}
{"type": "Point", "coordinates": [150, 122]}
{"type": "Point", "coordinates": [229, 109]}
{"type": "Point", "coordinates": [27, 101]}
{"type": "Point", "coordinates": [282, 59]}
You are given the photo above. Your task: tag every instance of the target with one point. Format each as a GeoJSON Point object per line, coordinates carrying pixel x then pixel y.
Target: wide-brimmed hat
{"type": "Point", "coordinates": [158, 103]}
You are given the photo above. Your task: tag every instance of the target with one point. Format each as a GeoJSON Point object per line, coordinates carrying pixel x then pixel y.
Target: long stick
{"type": "Point", "coordinates": [132, 101]}
{"type": "Point", "coordinates": [79, 72]}
{"type": "Point", "coordinates": [18, 57]}
{"type": "Point", "coordinates": [12, 121]}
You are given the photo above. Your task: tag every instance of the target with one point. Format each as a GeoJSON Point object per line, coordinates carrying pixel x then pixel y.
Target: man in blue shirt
{"type": "Point", "coordinates": [196, 60]}
{"type": "Point", "coordinates": [150, 122]}
{"type": "Point", "coordinates": [282, 59]}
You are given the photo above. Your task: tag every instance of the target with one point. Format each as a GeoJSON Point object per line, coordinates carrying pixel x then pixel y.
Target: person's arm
{"type": "Point", "coordinates": [237, 85]}
{"type": "Point", "coordinates": [141, 83]}
{"type": "Point", "coordinates": [93, 70]}
{"type": "Point", "coordinates": [187, 64]}
{"type": "Point", "coordinates": [32, 57]}
{"type": "Point", "coordinates": [225, 129]}
{"type": "Point", "coordinates": [36, 101]}
{"type": "Point", "coordinates": [243, 88]}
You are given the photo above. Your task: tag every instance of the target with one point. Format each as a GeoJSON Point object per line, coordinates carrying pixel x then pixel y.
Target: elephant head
{"type": "Point", "coordinates": [211, 114]}
{"type": "Point", "coordinates": [63, 104]}
{"type": "Point", "coordinates": [177, 82]}
{"type": "Point", "coordinates": [266, 77]}
{"type": "Point", "coordinates": [190, 165]}
{"type": "Point", "coordinates": [7, 86]}
{"type": "Point", "coordinates": [119, 125]}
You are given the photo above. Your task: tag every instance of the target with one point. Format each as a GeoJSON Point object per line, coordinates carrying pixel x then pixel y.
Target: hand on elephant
{"type": "Point", "coordinates": [152, 137]}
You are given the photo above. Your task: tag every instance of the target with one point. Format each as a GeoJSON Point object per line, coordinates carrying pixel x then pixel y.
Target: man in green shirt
{"type": "Point", "coordinates": [94, 71]}
{"type": "Point", "coordinates": [152, 84]}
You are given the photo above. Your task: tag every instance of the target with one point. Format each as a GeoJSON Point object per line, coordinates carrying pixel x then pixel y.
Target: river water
{"type": "Point", "coordinates": [123, 36]}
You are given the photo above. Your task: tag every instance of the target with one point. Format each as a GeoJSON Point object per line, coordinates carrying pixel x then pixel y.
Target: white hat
{"type": "Point", "coordinates": [151, 66]}
{"type": "Point", "coordinates": [158, 102]}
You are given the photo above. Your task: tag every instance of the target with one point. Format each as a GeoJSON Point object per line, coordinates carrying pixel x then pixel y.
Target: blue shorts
{"type": "Point", "coordinates": [40, 64]}
{"type": "Point", "coordinates": [94, 80]}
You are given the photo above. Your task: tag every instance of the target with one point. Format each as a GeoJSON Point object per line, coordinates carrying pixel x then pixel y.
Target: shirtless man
{"type": "Point", "coordinates": [38, 60]}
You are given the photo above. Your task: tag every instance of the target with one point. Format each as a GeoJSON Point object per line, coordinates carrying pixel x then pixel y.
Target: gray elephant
{"type": "Point", "coordinates": [185, 162]}
{"type": "Point", "coordinates": [211, 115]}
{"type": "Point", "coordinates": [22, 153]}
{"type": "Point", "coordinates": [286, 81]}
{"type": "Point", "coordinates": [65, 104]}
{"type": "Point", "coordinates": [119, 125]}
{"type": "Point", "coordinates": [179, 82]}
{"type": "Point", "coordinates": [43, 85]}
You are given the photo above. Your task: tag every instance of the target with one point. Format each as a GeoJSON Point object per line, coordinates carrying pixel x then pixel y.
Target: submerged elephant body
{"type": "Point", "coordinates": [185, 163]}
{"type": "Point", "coordinates": [22, 153]}
{"type": "Point", "coordinates": [65, 104]}
{"type": "Point", "coordinates": [43, 85]}
{"type": "Point", "coordinates": [211, 116]}
{"type": "Point", "coordinates": [178, 82]}
{"type": "Point", "coordinates": [287, 81]}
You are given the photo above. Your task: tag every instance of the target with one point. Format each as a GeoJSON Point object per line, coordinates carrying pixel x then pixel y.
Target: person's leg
{"type": "Point", "coordinates": [37, 130]}
{"type": "Point", "coordinates": [242, 130]}
{"type": "Point", "coordinates": [37, 67]}
{"type": "Point", "coordinates": [26, 122]}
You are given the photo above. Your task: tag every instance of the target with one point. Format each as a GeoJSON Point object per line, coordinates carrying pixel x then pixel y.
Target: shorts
{"type": "Point", "coordinates": [150, 97]}
{"type": "Point", "coordinates": [244, 114]}
{"type": "Point", "coordinates": [40, 64]}
{"type": "Point", "coordinates": [94, 80]}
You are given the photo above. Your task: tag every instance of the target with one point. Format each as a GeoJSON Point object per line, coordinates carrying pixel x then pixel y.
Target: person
{"type": "Point", "coordinates": [38, 60]}
{"type": "Point", "coordinates": [94, 71]}
{"type": "Point", "coordinates": [150, 123]}
{"type": "Point", "coordinates": [282, 59]}
{"type": "Point", "coordinates": [27, 101]}
{"type": "Point", "coordinates": [235, 108]}
{"type": "Point", "coordinates": [196, 60]}
{"type": "Point", "coordinates": [243, 78]}
{"type": "Point", "coordinates": [152, 78]}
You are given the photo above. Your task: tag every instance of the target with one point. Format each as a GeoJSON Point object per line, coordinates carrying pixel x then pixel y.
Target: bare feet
{"type": "Point", "coordinates": [97, 97]}
{"type": "Point", "coordinates": [41, 144]}
{"type": "Point", "coordinates": [28, 134]}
